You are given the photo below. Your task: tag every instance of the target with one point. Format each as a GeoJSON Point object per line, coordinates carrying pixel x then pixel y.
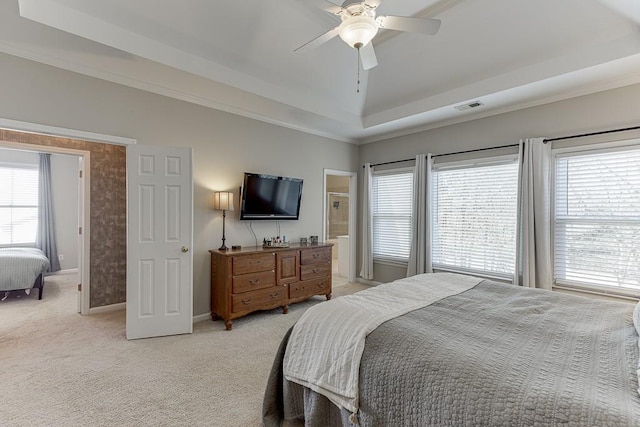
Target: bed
{"type": "Point", "coordinates": [483, 353]}
{"type": "Point", "coordinates": [22, 268]}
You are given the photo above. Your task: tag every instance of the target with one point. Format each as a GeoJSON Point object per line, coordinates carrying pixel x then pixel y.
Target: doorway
{"type": "Point", "coordinates": [339, 222]}
{"type": "Point", "coordinates": [70, 168]}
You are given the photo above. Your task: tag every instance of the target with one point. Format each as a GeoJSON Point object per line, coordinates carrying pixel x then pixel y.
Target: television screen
{"type": "Point", "coordinates": [270, 197]}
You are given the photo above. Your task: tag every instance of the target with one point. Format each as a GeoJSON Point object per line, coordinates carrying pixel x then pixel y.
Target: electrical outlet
{"type": "Point", "coordinates": [60, 257]}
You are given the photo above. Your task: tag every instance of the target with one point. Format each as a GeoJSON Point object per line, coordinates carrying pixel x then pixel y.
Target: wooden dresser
{"type": "Point", "coordinates": [256, 278]}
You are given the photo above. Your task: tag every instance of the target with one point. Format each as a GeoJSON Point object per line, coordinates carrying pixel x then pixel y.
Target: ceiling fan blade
{"type": "Point", "coordinates": [327, 6]}
{"type": "Point", "coordinates": [368, 56]}
{"type": "Point", "coordinates": [372, 3]}
{"type": "Point", "coordinates": [413, 25]}
{"type": "Point", "coordinates": [318, 41]}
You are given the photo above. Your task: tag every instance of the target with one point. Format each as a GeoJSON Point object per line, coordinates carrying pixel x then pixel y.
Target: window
{"type": "Point", "coordinates": [392, 211]}
{"type": "Point", "coordinates": [18, 204]}
{"type": "Point", "coordinates": [474, 211]}
{"type": "Point", "coordinates": [597, 219]}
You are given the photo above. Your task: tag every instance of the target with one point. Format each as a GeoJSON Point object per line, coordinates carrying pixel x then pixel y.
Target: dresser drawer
{"type": "Point", "coordinates": [315, 256]}
{"type": "Point", "coordinates": [309, 287]}
{"type": "Point", "coordinates": [259, 300]}
{"type": "Point", "coordinates": [315, 271]}
{"type": "Point", "coordinates": [252, 282]}
{"type": "Point", "coordinates": [253, 263]}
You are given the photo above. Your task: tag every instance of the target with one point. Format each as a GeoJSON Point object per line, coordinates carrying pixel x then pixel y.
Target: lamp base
{"type": "Point", "coordinates": [223, 247]}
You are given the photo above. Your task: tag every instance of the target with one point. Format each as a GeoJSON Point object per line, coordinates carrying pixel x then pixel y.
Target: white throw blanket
{"type": "Point", "coordinates": [326, 344]}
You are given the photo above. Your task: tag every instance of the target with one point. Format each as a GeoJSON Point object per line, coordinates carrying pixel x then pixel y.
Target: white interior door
{"type": "Point", "coordinates": [159, 239]}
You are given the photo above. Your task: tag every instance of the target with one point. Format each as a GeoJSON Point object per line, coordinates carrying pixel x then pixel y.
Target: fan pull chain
{"type": "Point", "coordinates": [358, 73]}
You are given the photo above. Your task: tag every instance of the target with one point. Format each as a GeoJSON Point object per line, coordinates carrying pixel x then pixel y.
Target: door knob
{"type": "Point", "coordinates": [185, 249]}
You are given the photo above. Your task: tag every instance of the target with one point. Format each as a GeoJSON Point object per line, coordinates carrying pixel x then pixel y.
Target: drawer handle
{"type": "Point", "coordinates": [320, 285]}
{"type": "Point", "coordinates": [247, 301]}
{"type": "Point", "coordinates": [316, 270]}
{"type": "Point", "coordinates": [316, 255]}
{"type": "Point", "coordinates": [254, 281]}
{"type": "Point", "coordinates": [273, 294]}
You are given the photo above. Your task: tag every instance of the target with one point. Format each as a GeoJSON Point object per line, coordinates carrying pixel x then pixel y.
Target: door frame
{"type": "Point", "coordinates": [353, 186]}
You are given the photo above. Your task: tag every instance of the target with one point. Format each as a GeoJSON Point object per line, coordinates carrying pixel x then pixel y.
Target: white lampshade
{"type": "Point", "coordinates": [223, 201]}
{"type": "Point", "coordinates": [357, 31]}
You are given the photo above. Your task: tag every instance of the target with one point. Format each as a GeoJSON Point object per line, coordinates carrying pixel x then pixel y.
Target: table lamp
{"type": "Point", "coordinates": [223, 201]}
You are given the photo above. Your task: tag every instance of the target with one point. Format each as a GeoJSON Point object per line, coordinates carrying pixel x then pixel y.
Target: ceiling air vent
{"type": "Point", "coordinates": [470, 105]}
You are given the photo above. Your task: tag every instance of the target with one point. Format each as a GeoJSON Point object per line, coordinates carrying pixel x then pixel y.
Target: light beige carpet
{"type": "Point", "coordinates": [58, 368]}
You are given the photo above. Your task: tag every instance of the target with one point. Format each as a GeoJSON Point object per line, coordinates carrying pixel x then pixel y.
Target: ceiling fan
{"type": "Point", "coordinates": [360, 25]}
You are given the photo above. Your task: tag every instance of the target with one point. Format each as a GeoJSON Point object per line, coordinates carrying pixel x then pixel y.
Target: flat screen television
{"type": "Point", "coordinates": [270, 197]}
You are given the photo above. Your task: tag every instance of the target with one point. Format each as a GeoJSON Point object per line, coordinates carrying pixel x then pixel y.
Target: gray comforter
{"type": "Point", "coordinates": [493, 355]}
{"type": "Point", "coordinates": [19, 267]}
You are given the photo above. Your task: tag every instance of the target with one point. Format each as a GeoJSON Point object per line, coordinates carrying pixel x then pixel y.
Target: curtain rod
{"type": "Point", "coordinates": [477, 149]}
{"type": "Point", "coordinates": [448, 154]}
{"type": "Point", "coordinates": [603, 132]}
{"type": "Point", "coordinates": [390, 163]}
{"type": "Point", "coordinates": [515, 145]}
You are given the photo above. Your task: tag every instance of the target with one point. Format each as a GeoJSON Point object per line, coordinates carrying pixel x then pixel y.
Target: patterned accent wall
{"type": "Point", "coordinates": [108, 221]}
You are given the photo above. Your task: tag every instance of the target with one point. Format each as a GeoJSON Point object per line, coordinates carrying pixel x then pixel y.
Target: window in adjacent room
{"type": "Point", "coordinates": [18, 204]}
{"type": "Point", "coordinates": [597, 219]}
{"type": "Point", "coordinates": [392, 211]}
{"type": "Point", "coordinates": [474, 211]}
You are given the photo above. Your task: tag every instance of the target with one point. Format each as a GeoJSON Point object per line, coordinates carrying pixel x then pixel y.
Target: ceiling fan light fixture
{"type": "Point", "coordinates": [358, 31]}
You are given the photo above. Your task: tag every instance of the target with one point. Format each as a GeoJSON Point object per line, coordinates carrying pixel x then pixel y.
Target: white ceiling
{"type": "Point", "coordinates": [238, 56]}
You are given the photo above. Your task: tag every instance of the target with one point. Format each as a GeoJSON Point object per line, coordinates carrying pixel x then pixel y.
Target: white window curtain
{"type": "Point", "coordinates": [420, 254]}
{"type": "Point", "coordinates": [46, 237]}
{"type": "Point", "coordinates": [366, 220]}
{"type": "Point", "coordinates": [474, 211]}
{"type": "Point", "coordinates": [534, 261]}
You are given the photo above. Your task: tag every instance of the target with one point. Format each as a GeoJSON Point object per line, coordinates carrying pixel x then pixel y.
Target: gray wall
{"type": "Point", "coordinates": [224, 146]}
{"type": "Point", "coordinates": [65, 199]}
{"type": "Point", "coordinates": [64, 181]}
{"type": "Point", "coordinates": [605, 110]}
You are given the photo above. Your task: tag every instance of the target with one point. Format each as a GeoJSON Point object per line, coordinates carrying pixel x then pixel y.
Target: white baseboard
{"type": "Point", "coordinates": [123, 306]}
{"type": "Point", "coordinates": [62, 272]}
{"type": "Point", "coordinates": [108, 308]}
{"type": "Point", "coordinates": [368, 282]}
{"type": "Point", "coordinates": [202, 317]}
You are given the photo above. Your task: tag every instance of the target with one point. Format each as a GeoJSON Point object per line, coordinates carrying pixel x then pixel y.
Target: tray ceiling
{"type": "Point", "coordinates": [238, 56]}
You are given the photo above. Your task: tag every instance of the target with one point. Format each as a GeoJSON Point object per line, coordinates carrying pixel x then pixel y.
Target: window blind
{"type": "Point", "coordinates": [597, 219]}
{"type": "Point", "coordinates": [392, 211]}
{"type": "Point", "coordinates": [18, 204]}
{"type": "Point", "coordinates": [474, 212]}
